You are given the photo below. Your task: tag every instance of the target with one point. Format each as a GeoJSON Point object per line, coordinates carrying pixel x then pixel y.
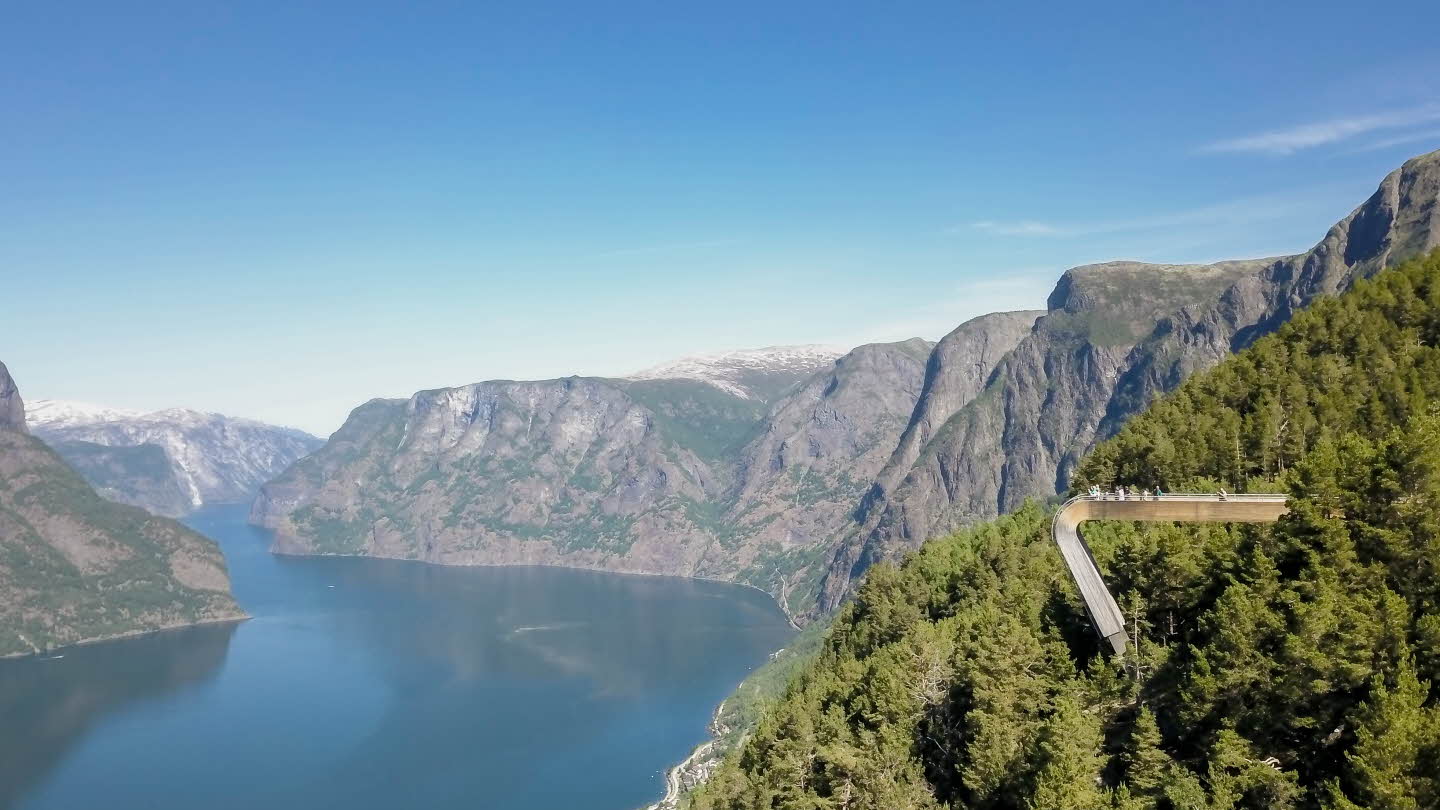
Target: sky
{"type": "Point", "coordinates": [282, 210]}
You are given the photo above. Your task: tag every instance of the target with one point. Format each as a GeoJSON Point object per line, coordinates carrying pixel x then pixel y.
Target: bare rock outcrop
{"type": "Point", "coordinates": [12, 407]}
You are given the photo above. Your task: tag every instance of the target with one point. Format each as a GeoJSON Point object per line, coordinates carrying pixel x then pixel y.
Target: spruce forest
{"type": "Point", "coordinates": [1280, 666]}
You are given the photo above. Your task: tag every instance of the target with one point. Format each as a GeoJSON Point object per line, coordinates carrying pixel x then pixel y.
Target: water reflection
{"type": "Point", "coordinates": [536, 623]}
{"type": "Point", "coordinates": [47, 704]}
{"type": "Point", "coordinates": [377, 684]}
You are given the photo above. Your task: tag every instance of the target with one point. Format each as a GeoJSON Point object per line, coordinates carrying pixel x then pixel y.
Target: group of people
{"type": "Point", "coordinates": [1123, 494]}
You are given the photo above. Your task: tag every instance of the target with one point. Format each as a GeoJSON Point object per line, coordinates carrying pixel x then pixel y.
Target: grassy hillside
{"type": "Point", "coordinates": [1277, 666]}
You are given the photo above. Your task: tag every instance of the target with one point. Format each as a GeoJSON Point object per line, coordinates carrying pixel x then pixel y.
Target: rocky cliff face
{"type": "Point", "coordinates": [571, 471]}
{"type": "Point", "coordinates": [75, 567]}
{"type": "Point", "coordinates": [12, 407]}
{"type": "Point", "coordinates": [797, 482]}
{"type": "Point", "coordinates": [212, 458]}
{"type": "Point", "coordinates": [956, 372]}
{"type": "Point", "coordinates": [1114, 336]}
{"type": "Point", "coordinates": [673, 475]}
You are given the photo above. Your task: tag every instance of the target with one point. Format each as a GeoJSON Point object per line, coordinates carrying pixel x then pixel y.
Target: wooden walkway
{"type": "Point", "coordinates": [1186, 508]}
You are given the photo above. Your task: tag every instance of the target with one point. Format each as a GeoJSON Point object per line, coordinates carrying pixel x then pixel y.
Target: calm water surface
{"type": "Point", "coordinates": [380, 684]}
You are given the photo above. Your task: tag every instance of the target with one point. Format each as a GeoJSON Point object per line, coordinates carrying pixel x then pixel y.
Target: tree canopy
{"type": "Point", "coordinates": [1276, 666]}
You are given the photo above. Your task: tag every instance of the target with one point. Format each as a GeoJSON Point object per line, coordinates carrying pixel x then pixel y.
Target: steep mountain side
{"type": "Point", "coordinates": [798, 481]}
{"type": "Point", "coordinates": [1114, 336]}
{"type": "Point", "coordinates": [12, 407]}
{"type": "Point", "coordinates": [669, 474]}
{"type": "Point", "coordinates": [704, 419]}
{"type": "Point", "coordinates": [957, 371]}
{"type": "Point", "coordinates": [1280, 666]}
{"type": "Point", "coordinates": [75, 567]}
{"type": "Point", "coordinates": [216, 459]}
{"type": "Point", "coordinates": [572, 471]}
{"type": "Point", "coordinates": [140, 475]}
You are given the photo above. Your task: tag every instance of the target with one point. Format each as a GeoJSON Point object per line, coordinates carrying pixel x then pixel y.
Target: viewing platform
{"type": "Point", "coordinates": [1180, 508]}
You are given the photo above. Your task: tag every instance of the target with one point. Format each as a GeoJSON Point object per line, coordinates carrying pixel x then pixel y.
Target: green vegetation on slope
{"type": "Point", "coordinates": [765, 686]}
{"type": "Point", "coordinates": [76, 567]}
{"type": "Point", "coordinates": [1276, 666]}
{"type": "Point", "coordinates": [696, 415]}
{"type": "Point", "coordinates": [1358, 364]}
{"type": "Point", "coordinates": [139, 475]}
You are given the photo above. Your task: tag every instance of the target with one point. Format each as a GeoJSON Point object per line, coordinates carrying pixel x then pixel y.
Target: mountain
{"type": "Point", "coordinates": [1114, 337]}
{"type": "Point", "coordinates": [75, 567]}
{"type": "Point", "coordinates": [207, 457]}
{"type": "Point", "coordinates": [503, 473]}
{"type": "Point", "coordinates": [665, 473]}
{"type": "Point", "coordinates": [792, 469]}
{"type": "Point", "coordinates": [1290, 665]}
{"type": "Point", "coordinates": [798, 479]}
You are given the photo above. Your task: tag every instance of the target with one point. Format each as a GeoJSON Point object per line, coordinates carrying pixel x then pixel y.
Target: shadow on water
{"type": "Point", "coordinates": [49, 704]}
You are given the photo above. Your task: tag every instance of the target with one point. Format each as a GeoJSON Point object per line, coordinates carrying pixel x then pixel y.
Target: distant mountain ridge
{"type": "Point", "coordinates": [799, 481]}
{"type": "Point", "coordinates": [75, 567]}
{"type": "Point", "coordinates": [748, 373]}
{"type": "Point", "coordinates": [211, 458]}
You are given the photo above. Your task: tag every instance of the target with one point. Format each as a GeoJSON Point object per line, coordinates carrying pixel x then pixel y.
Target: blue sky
{"type": "Point", "coordinates": [280, 210]}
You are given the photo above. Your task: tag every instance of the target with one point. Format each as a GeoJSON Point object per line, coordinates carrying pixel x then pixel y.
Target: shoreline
{"type": "Point", "coordinates": [243, 617]}
{"type": "Point", "coordinates": [674, 775]}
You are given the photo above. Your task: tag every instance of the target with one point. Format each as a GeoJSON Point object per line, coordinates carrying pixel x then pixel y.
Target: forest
{"type": "Point", "coordinates": [1279, 666]}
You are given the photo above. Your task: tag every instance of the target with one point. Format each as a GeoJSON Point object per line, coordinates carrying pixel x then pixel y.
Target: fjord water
{"type": "Point", "coordinates": [366, 683]}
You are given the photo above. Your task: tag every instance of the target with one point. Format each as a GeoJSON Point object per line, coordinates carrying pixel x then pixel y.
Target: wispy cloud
{"type": "Point", "coordinates": [1432, 135]}
{"type": "Point", "coordinates": [1236, 211]}
{"type": "Point", "coordinates": [1017, 228]}
{"type": "Point", "coordinates": [1307, 136]}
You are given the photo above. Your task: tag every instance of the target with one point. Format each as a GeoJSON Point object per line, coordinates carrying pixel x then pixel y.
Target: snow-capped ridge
{"type": "Point", "coordinates": [728, 370]}
{"type": "Point", "coordinates": [61, 413]}
{"type": "Point", "coordinates": [215, 458]}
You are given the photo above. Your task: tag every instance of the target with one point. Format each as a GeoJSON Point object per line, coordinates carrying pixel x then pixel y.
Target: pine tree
{"type": "Point", "coordinates": [1397, 749]}
{"type": "Point", "coordinates": [1070, 761]}
{"type": "Point", "coordinates": [1146, 765]}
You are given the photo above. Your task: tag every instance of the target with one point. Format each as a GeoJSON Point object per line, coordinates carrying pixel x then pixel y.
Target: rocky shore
{"type": "Point", "coordinates": [697, 767]}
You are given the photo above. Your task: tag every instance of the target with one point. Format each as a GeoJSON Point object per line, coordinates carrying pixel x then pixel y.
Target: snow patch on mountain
{"type": "Point", "coordinates": [216, 458]}
{"type": "Point", "coordinates": [732, 371]}
{"type": "Point", "coordinates": [56, 412]}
